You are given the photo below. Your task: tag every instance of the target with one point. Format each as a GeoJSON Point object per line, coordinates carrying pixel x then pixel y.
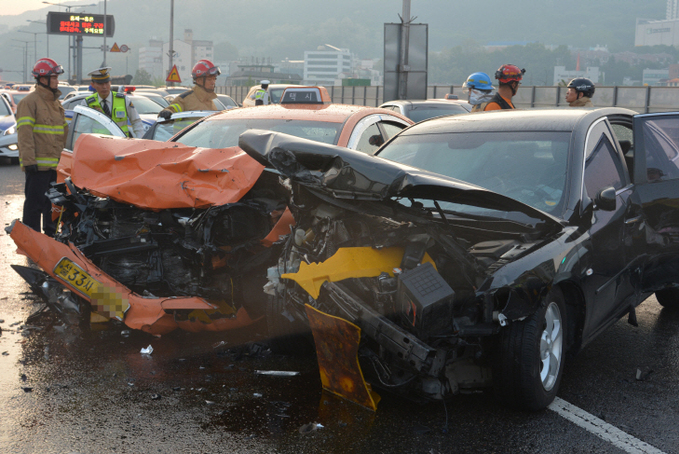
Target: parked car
{"type": "Point", "coordinates": [425, 109]}
{"type": "Point", "coordinates": [14, 98]}
{"type": "Point", "coordinates": [227, 101]}
{"type": "Point", "coordinates": [161, 235]}
{"type": "Point", "coordinates": [474, 251]}
{"type": "Point", "coordinates": [8, 132]}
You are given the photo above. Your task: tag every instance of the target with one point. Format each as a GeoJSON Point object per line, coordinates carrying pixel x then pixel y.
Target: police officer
{"type": "Point", "coordinates": [261, 96]}
{"type": "Point", "coordinates": [115, 105]}
{"type": "Point", "coordinates": [42, 136]}
{"type": "Point", "coordinates": [480, 90]}
{"type": "Point", "coordinates": [509, 78]}
{"type": "Point", "coordinates": [580, 92]}
{"type": "Point", "coordinates": [201, 96]}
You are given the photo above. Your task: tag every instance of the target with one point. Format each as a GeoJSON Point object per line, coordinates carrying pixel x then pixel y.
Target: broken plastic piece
{"type": "Point", "coordinates": [308, 428]}
{"type": "Point", "coordinates": [277, 373]}
{"type": "Point", "coordinates": [146, 351]}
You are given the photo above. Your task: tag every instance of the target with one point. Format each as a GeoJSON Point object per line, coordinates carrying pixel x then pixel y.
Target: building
{"type": "Point", "coordinates": [156, 61]}
{"type": "Point", "coordinates": [249, 74]}
{"type": "Point", "coordinates": [561, 75]}
{"type": "Point", "coordinates": [656, 32]}
{"type": "Point", "coordinates": [655, 77]}
{"type": "Point", "coordinates": [151, 58]}
{"type": "Point", "coordinates": [324, 65]}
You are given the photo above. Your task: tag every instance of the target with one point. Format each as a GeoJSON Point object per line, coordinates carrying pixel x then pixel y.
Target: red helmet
{"type": "Point", "coordinates": [46, 67]}
{"type": "Point", "coordinates": [509, 73]}
{"type": "Point", "coordinates": [205, 68]}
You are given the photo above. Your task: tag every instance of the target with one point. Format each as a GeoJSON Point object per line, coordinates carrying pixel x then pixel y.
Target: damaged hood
{"type": "Point", "coordinates": [354, 175]}
{"type": "Point", "coordinates": [160, 175]}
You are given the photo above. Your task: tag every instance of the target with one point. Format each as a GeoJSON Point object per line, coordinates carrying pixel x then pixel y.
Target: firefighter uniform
{"type": "Point", "coordinates": [198, 98]}
{"type": "Point", "coordinates": [42, 131]}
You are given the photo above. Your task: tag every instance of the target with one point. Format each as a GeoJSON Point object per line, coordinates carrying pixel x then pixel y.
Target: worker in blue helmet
{"type": "Point", "coordinates": [480, 90]}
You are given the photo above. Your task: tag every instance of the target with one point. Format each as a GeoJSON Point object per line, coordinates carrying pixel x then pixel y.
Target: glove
{"type": "Point", "coordinates": [31, 169]}
{"type": "Point", "coordinates": [164, 114]}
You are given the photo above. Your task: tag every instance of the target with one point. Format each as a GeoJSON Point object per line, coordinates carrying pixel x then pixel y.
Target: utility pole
{"type": "Point", "coordinates": [104, 34]}
{"type": "Point", "coordinates": [171, 53]}
{"type": "Point", "coordinates": [403, 67]}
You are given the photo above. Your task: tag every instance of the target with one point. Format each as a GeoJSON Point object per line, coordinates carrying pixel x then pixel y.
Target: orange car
{"type": "Point", "coordinates": [179, 234]}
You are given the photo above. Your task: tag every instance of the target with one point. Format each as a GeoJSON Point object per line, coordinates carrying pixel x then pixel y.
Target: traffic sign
{"type": "Point", "coordinates": [115, 48]}
{"type": "Point", "coordinates": [124, 48]}
{"type": "Point", "coordinates": [174, 75]}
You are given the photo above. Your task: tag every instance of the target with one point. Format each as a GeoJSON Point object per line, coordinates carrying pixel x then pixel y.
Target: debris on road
{"type": "Point", "coordinates": [308, 428]}
{"type": "Point", "coordinates": [146, 351]}
{"type": "Point", "coordinates": [277, 373]}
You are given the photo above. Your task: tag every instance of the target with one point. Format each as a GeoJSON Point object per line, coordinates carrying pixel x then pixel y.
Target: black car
{"type": "Point", "coordinates": [474, 250]}
{"type": "Point", "coordinates": [430, 108]}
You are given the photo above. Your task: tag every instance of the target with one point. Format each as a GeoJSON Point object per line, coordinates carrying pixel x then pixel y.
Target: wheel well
{"type": "Point", "coordinates": [575, 306]}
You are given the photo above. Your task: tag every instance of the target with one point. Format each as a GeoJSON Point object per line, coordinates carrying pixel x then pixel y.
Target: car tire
{"type": "Point", "coordinates": [286, 337]}
{"type": "Point", "coordinates": [668, 298]}
{"type": "Point", "coordinates": [530, 356]}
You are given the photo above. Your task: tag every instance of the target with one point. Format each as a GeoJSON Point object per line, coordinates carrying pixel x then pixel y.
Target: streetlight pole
{"type": "Point", "coordinates": [68, 10]}
{"type": "Point", "coordinates": [25, 55]}
{"type": "Point", "coordinates": [35, 42]}
{"type": "Point", "coordinates": [171, 53]}
{"type": "Point", "coordinates": [47, 36]}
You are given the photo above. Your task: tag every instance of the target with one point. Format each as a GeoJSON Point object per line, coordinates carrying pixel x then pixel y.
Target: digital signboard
{"type": "Point", "coordinates": [60, 23]}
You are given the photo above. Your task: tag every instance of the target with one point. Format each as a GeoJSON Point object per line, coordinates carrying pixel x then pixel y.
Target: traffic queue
{"type": "Point", "coordinates": [469, 250]}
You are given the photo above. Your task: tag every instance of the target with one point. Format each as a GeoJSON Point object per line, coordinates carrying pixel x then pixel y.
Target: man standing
{"type": "Point", "coordinates": [201, 96]}
{"type": "Point", "coordinates": [114, 105]}
{"type": "Point", "coordinates": [580, 92]}
{"type": "Point", "coordinates": [261, 96]}
{"type": "Point", "coordinates": [509, 78]}
{"type": "Point", "coordinates": [479, 89]}
{"type": "Point", "coordinates": [42, 136]}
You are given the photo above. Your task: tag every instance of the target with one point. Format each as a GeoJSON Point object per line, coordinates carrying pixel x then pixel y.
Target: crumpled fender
{"type": "Point", "coordinates": [112, 299]}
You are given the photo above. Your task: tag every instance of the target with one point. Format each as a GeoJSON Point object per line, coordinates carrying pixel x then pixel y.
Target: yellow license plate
{"type": "Point", "coordinates": [76, 276]}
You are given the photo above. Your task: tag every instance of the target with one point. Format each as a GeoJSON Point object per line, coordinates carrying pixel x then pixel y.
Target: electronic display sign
{"type": "Point", "coordinates": [60, 23]}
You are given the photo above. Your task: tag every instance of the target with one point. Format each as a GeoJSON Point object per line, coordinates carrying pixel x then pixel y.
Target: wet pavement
{"type": "Point", "coordinates": [67, 390]}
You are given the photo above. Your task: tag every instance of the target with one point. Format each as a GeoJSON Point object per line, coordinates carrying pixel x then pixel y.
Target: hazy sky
{"type": "Point", "coordinates": [13, 7]}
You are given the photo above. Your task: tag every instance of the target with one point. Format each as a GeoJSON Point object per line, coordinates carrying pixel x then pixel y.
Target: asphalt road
{"type": "Point", "coordinates": [64, 390]}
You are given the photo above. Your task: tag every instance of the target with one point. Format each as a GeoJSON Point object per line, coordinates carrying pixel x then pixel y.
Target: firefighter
{"type": "Point", "coordinates": [509, 78]}
{"type": "Point", "coordinates": [114, 105]}
{"type": "Point", "coordinates": [261, 96]}
{"type": "Point", "coordinates": [201, 96]}
{"type": "Point", "coordinates": [580, 92]}
{"type": "Point", "coordinates": [42, 136]}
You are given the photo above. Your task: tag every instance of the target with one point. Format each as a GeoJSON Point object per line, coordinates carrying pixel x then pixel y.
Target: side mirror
{"type": "Point", "coordinates": [605, 199]}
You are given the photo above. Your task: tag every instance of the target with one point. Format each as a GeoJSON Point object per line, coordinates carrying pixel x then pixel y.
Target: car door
{"type": "Point", "coordinates": [607, 280]}
{"type": "Point", "coordinates": [656, 172]}
{"type": "Point", "coordinates": [87, 121]}
{"type": "Point", "coordinates": [374, 130]}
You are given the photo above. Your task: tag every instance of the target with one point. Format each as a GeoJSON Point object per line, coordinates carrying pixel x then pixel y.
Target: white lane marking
{"type": "Point", "coordinates": [602, 429]}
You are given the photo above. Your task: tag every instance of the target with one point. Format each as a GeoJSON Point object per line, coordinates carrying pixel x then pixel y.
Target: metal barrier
{"type": "Point", "coordinates": [640, 99]}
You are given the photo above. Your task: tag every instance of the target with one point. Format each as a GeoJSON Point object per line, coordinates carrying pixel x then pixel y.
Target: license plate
{"type": "Point", "coordinates": [76, 276]}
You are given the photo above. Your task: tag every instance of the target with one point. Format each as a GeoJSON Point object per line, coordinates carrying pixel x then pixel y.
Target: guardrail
{"type": "Point", "coordinates": [641, 99]}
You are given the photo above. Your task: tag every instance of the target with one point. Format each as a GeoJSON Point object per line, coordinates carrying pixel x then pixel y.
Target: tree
{"type": "Point", "coordinates": [142, 77]}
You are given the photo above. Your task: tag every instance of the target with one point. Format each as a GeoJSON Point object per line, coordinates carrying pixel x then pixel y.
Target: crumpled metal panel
{"type": "Point", "coordinates": [337, 351]}
{"type": "Point", "coordinates": [159, 175]}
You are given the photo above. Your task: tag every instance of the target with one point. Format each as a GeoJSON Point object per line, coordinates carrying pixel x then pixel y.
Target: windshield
{"type": "Point", "coordinates": [275, 95]}
{"type": "Point", "coordinates": [530, 167]}
{"type": "Point", "coordinates": [420, 113]}
{"type": "Point", "coordinates": [223, 133]}
{"type": "Point", "coordinates": [163, 131]}
{"type": "Point", "coordinates": [145, 105]}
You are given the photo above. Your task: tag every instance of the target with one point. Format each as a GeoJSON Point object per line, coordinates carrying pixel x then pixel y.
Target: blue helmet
{"type": "Point", "coordinates": [479, 81]}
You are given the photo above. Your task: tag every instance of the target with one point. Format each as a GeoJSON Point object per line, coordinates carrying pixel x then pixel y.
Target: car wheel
{"type": "Point", "coordinates": [668, 298]}
{"type": "Point", "coordinates": [530, 357]}
{"type": "Point", "coordinates": [287, 335]}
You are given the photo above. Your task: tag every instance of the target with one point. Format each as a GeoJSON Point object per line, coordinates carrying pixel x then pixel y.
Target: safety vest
{"type": "Point", "coordinates": [497, 99]}
{"type": "Point", "coordinates": [118, 110]}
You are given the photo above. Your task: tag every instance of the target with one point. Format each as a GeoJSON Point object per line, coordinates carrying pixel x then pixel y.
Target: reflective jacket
{"type": "Point", "coordinates": [42, 129]}
{"type": "Point", "coordinates": [118, 110]}
{"type": "Point", "coordinates": [195, 99]}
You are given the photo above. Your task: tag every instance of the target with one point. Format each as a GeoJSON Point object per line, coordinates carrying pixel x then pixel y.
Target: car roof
{"type": "Point", "coordinates": [564, 119]}
{"type": "Point", "coordinates": [331, 113]}
{"type": "Point", "coordinates": [412, 102]}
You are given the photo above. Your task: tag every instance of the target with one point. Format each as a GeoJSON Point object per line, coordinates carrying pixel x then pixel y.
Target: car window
{"type": "Point", "coordinates": [227, 101]}
{"type": "Point", "coordinates": [661, 143]}
{"type": "Point", "coordinates": [275, 95]}
{"type": "Point", "coordinates": [391, 129]}
{"type": "Point", "coordinates": [370, 140]}
{"type": "Point", "coordinates": [83, 124]}
{"type": "Point", "coordinates": [224, 133]}
{"type": "Point", "coordinates": [527, 166]}
{"type": "Point", "coordinates": [602, 168]}
{"type": "Point", "coordinates": [163, 131]}
{"type": "Point", "coordinates": [5, 108]}
{"type": "Point", "coordinates": [145, 105]}
{"type": "Point", "coordinates": [419, 113]}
